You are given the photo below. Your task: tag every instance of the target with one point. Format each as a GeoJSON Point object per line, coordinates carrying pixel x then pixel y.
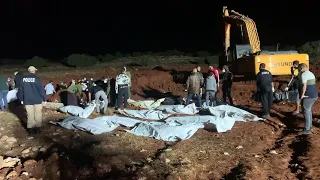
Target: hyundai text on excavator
{"type": "Point", "coordinates": [246, 57]}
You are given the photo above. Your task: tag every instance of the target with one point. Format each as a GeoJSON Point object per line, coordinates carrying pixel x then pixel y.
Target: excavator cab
{"type": "Point", "coordinates": [246, 57]}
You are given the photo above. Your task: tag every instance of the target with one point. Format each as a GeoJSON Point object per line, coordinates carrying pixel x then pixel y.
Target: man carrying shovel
{"type": "Point", "coordinates": [295, 84]}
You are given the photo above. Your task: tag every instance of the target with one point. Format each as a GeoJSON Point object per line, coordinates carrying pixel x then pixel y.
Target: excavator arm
{"type": "Point", "coordinates": [249, 27]}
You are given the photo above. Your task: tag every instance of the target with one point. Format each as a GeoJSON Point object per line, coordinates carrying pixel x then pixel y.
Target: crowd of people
{"type": "Point", "coordinates": [303, 83]}
{"type": "Point", "coordinates": [196, 83]}
{"type": "Point", "coordinates": [32, 94]}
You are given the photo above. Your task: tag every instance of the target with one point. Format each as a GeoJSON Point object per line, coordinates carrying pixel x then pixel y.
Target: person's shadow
{"type": "Point", "coordinates": [18, 109]}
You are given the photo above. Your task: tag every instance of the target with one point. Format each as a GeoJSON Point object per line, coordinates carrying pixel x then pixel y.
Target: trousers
{"type": "Point", "coordinates": [101, 94]}
{"type": "Point", "coordinates": [34, 115]}
{"type": "Point", "coordinates": [198, 99]}
{"type": "Point", "coordinates": [211, 98]}
{"type": "Point", "coordinates": [122, 95]}
{"type": "Point", "coordinates": [266, 100]}
{"type": "Point", "coordinates": [307, 111]}
{"type": "Point", "coordinates": [226, 93]}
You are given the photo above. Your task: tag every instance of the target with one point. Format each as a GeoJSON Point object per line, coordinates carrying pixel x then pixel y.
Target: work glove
{"type": "Point", "coordinates": [286, 89]}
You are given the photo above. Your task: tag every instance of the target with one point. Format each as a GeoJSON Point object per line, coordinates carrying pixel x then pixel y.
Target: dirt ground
{"type": "Point", "coordinates": [271, 149]}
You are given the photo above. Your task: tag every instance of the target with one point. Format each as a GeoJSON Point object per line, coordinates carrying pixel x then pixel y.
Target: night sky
{"type": "Point", "coordinates": [57, 28]}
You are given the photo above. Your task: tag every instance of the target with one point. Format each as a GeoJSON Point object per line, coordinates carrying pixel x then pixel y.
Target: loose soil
{"type": "Point", "coordinates": [271, 149]}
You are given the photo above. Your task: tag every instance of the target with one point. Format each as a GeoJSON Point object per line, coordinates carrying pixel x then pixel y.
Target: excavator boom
{"type": "Point", "coordinates": [250, 29]}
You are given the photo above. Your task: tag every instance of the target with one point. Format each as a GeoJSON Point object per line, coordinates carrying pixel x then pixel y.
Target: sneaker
{"type": "Point", "coordinates": [37, 130]}
{"type": "Point", "coordinates": [31, 132]}
{"type": "Point", "coordinates": [295, 113]}
{"type": "Point", "coordinates": [267, 116]}
{"type": "Point", "coordinates": [306, 132]}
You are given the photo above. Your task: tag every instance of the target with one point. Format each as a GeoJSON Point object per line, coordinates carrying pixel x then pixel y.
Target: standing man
{"type": "Point", "coordinates": [227, 84]}
{"type": "Point", "coordinates": [265, 86]}
{"type": "Point", "coordinates": [129, 76]}
{"type": "Point", "coordinates": [211, 90]}
{"type": "Point", "coordinates": [122, 89]}
{"type": "Point", "coordinates": [309, 95]}
{"type": "Point", "coordinates": [201, 77]}
{"type": "Point", "coordinates": [17, 79]}
{"type": "Point", "coordinates": [193, 86]}
{"type": "Point", "coordinates": [31, 94]}
{"type": "Point", "coordinates": [49, 88]}
{"type": "Point", "coordinates": [295, 83]}
{"type": "Point", "coordinates": [215, 73]}
{"type": "Point", "coordinates": [98, 93]}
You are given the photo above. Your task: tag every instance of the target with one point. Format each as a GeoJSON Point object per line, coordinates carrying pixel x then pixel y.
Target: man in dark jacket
{"type": "Point", "coordinates": [104, 83]}
{"type": "Point", "coordinates": [193, 87]}
{"type": "Point", "coordinates": [31, 94]}
{"type": "Point", "coordinates": [98, 93]}
{"type": "Point", "coordinates": [201, 76]}
{"type": "Point", "coordinates": [295, 84]}
{"type": "Point", "coordinates": [265, 86]}
{"type": "Point", "coordinates": [17, 79]}
{"type": "Point", "coordinates": [227, 84]}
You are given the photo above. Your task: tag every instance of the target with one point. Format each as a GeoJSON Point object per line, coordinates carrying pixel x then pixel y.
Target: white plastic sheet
{"type": "Point", "coordinates": [173, 129]}
{"type": "Point", "coordinates": [79, 111]}
{"type": "Point", "coordinates": [146, 104]}
{"type": "Point", "coordinates": [12, 95]}
{"type": "Point", "coordinates": [144, 114]}
{"type": "Point", "coordinates": [161, 112]}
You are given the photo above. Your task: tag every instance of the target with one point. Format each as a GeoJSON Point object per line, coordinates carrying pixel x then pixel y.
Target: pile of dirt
{"type": "Point", "coordinates": [12, 168]}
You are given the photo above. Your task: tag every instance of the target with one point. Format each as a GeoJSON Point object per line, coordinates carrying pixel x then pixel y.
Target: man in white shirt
{"type": "Point", "coordinates": [122, 89]}
{"type": "Point", "coordinates": [49, 88]}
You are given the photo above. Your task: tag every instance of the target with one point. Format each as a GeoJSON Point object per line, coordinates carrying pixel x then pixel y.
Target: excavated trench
{"type": "Point", "coordinates": [300, 147]}
{"type": "Point", "coordinates": [238, 172]}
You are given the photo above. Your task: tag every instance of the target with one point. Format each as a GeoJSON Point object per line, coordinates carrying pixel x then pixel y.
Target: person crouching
{"type": "Point", "coordinates": [98, 93]}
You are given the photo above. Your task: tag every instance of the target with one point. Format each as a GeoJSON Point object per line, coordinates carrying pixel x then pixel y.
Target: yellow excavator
{"type": "Point", "coordinates": [245, 58]}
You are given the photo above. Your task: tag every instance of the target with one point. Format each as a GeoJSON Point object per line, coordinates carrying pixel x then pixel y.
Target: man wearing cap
{"type": "Point", "coordinates": [31, 94]}
{"type": "Point", "coordinates": [266, 88]}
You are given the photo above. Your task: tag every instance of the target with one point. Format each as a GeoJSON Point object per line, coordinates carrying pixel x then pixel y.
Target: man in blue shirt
{"type": "Point", "coordinates": [31, 94]}
{"type": "Point", "coordinates": [309, 95]}
{"type": "Point", "coordinates": [49, 88]}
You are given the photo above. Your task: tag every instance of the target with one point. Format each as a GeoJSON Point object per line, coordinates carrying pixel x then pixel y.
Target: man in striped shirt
{"type": "Point", "coordinates": [309, 95]}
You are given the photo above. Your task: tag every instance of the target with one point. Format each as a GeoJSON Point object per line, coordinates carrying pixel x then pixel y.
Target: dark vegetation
{"type": "Point", "coordinates": [145, 59]}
